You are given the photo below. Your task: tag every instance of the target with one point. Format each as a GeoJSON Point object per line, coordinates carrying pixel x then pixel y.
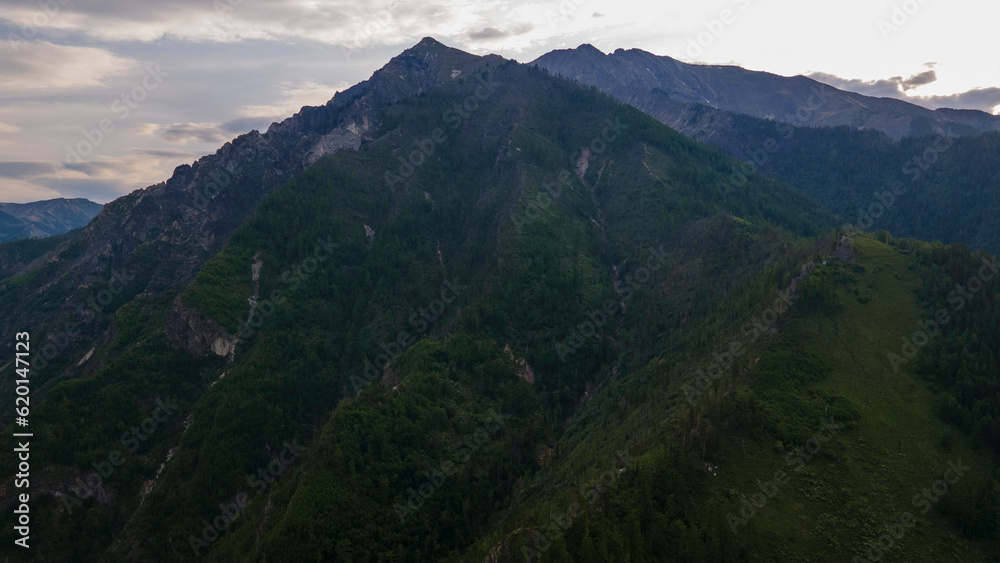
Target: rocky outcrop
{"type": "Point", "coordinates": [390, 377]}
{"type": "Point", "coordinates": [190, 330]}
{"type": "Point", "coordinates": [807, 270]}
{"type": "Point", "coordinates": [523, 369]}
{"type": "Point", "coordinates": [844, 250]}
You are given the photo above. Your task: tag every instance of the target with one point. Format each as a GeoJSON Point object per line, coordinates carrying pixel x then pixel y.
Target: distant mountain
{"type": "Point", "coordinates": [12, 228]}
{"type": "Point", "coordinates": [41, 219]}
{"type": "Point", "coordinates": [845, 152]}
{"type": "Point", "coordinates": [655, 83]}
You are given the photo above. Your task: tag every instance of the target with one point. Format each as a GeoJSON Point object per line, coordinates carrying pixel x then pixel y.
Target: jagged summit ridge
{"type": "Point", "coordinates": [632, 75]}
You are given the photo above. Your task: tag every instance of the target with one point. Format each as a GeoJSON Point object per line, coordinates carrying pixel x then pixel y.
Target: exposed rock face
{"type": "Point", "coordinates": [166, 232]}
{"type": "Point", "coordinates": [188, 329]}
{"type": "Point", "coordinates": [844, 250]}
{"type": "Point", "coordinates": [678, 94]}
{"type": "Point", "coordinates": [390, 377]}
{"type": "Point", "coordinates": [255, 278]}
{"type": "Point", "coordinates": [67, 481]}
{"type": "Point", "coordinates": [523, 370]}
{"type": "Point", "coordinates": [807, 270]}
{"type": "Point", "coordinates": [582, 164]}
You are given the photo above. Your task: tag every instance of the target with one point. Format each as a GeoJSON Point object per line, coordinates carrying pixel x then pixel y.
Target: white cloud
{"type": "Point", "coordinates": [7, 128]}
{"type": "Point", "coordinates": [146, 129]}
{"type": "Point", "coordinates": [22, 191]}
{"type": "Point", "coordinates": [292, 97]}
{"type": "Point", "coordinates": [335, 22]}
{"type": "Point", "coordinates": [100, 179]}
{"type": "Point", "coordinates": [47, 66]}
{"type": "Point", "coordinates": [105, 178]}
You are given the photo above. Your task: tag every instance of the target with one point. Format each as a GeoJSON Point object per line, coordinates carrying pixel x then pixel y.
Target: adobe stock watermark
{"type": "Point", "coordinates": [464, 448]}
{"type": "Point", "coordinates": [564, 11]}
{"type": "Point", "coordinates": [131, 439]}
{"type": "Point", "coordinates": [47, 9]}
{"type": "Point", "coordinates": [453, 118]}
{"type": "Point", "coordinates": [591, 491]}
{"type": "Point", "coordinates": [58, 342]}
{"type": "Point", "coordinates": [714, 29]}
{"type": "Point", "coordinates": [225, 8]}
{"type": "Point", "coordinates": [957, 299]}
{"type": "Point", "coordinates": [761, 155]}
{"type": "Point", "coordinates": [923, 499]}
{"type": "Point", "coordinates": [377, 24]}
{"type": "Point", "coordinates": [580, 333]}
{"type": "Point", "coordinates": [55, 344]}
{"type": "Point", "coordinates": [220, 178]}
{"type": "Point", "coordinates": [913, 168]}
{"type": "Point", "coordinates": [292, 279]}
{"type": "Point", "coordinates": [121, 108]}
{"type": "Point", "coordinates": [260, 481]}
{"type": "Point", "coordinates": [750, 330]}
{"type": "Point", "coordinates": [552, 190]}
{"type": "Point", "coordinates": [420, 320]}
{"type": "Point", "coordinates": [899, 17]}
{"type": "Point", "coordinates": [795, 460]}
{"type": "Point", "coordinates": [107, 295]}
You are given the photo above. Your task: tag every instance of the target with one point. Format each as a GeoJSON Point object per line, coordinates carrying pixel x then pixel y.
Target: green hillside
{"type": "Point", "coordinates": [807, 452]}
{"type": "Point", "coordinates": [522, 322]}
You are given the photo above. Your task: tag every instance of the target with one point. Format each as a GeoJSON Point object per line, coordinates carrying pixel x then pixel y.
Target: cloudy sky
{"type": "Point", "coordinates": [102, 97]}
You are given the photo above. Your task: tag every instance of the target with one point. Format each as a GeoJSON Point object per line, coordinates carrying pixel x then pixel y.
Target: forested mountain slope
{"type": "Point", "coordinates": [510, 295]}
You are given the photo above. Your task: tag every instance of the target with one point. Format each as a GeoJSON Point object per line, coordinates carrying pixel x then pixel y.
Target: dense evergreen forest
{"type": "Point", "coordinates": [932, 187]}
{"type": "Point", "coordinates": [547, 337]}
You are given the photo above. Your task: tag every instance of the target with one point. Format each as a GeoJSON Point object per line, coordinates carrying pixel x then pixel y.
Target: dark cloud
{"type": "Point", "coordinates": [93, 168]}
{"type": "Point", "coordinates": [979, 98]}
{"type": "Point", "coordinates": [918, 80]}
{"type": "Point", "coordinates": [879, 88]}
{"type": "Point", "coordinates": [887, 88]}
{"type": "Point", "coordinates": [22, 170]}
{"type": "Point", "coordinates": [187, 132]}
{"type": "Point", "coordinates": [489, 33]}
{"type": "Point", "coordinates": [984, 99]}
{"type": "Point", "coordinates": [100, 191]}
{"type": "Point", "coordinates": [160, 153]}
{"type": "Point", "coordinates": [103, 169]}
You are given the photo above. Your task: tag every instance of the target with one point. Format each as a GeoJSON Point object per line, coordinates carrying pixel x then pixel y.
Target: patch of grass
{"type": "Point", "coordinates": [866, 475]}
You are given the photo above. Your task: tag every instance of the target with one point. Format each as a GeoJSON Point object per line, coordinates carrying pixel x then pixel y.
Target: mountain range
{"type": "Point", "coordinates": [44, 218]}
{"type": "Point", "coordinates": [469, 310]}
{"type": "Point", "coordinates": [660, 85]}
{"type": "Point", "coordinates": [877, 163]}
